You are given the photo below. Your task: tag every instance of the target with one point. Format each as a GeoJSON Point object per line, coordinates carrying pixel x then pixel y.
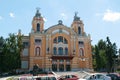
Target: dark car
{"type": "Point", "coordinates": [113, 76]}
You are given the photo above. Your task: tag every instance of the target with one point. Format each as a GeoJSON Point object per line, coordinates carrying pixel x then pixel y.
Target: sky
{"type": "Point", "coordinates": [101, 18]}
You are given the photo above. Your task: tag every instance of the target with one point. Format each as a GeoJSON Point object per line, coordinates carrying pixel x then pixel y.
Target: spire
{"type": "Point", "coordinates": [76, 18]}
{"type": "Point", "coordinates": [38, 14]}
{"type": "Point", "coordinates": [19, 32]}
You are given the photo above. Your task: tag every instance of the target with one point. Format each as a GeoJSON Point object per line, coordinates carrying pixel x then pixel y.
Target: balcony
{"type": "Point", "coordinates": [62, 56]}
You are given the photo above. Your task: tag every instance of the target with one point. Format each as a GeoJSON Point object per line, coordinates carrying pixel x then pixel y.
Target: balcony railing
{"type": "Point", "coordinates": [56, 56]}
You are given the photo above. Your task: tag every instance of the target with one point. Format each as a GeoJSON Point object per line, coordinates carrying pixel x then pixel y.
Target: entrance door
{"type": "Point", "coordinates": [61, 67]}
{"type": "Point", "coordinates": [68, 68]}
{"type": "Point", "coordinates": [54, 67]}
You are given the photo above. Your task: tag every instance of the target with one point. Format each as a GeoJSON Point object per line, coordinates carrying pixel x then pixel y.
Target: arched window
{"type": "Point", "coordinates": [81, 52]}
{"type": "Point", "coordinates": [38, 41]}
{"type": "Point", "coordinates": [79, 30]}
{"type": "Point", "coordinates": [55, 50]}
{"type": "Point", "coordinates": [60, 39]}
{"type": "Point", "coordinates": [55, 40]}
{"type": "Point", "coordinates": [60, 51]}
{"type": "Point", "coordinates": [38, 27]}
{"type": "Point", "coordinates": [81, 44]}
{"type": "Point", "coordinates": [37, 51]}
{"type": "Point", "coordinates": [65, 41]}
{"type": "Point", "coordinates": [66, 51]}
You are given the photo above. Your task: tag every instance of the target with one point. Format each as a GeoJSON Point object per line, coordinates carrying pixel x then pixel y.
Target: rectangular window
{"type": "Point", "coordinates": [25, 52]}
{"type": "Point", "coordinates": [37, 40]}
{"type": "Point", "coordinates": [24, 64]}
{"type": "Point", "coordinates": [25, 44]}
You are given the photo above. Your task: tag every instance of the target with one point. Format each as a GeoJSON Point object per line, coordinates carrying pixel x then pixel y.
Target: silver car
{"type": "Point", "coordinates": [95, 76]}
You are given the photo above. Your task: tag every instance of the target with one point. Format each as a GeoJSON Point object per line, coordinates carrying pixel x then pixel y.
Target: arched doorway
{"type": "Point", "coordinates": [68, 67]}
{"type": "Point", "coordinates": [54, 67]}
{"type": "Point", "coordinates": [61, 67]}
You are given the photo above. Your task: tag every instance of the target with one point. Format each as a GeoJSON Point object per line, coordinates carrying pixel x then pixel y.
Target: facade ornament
{"type": "Point", "coordinates": [38, 14]}
{"type": "Point", "coordinates": [76, 18]}
{"type": "Point", "coordinates": [60, 22]}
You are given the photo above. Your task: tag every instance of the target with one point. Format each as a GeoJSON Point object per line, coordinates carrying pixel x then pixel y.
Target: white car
{"type": "Point", "coordinates": [49, 77]}
{"type": "Point", "coordinates": [95, 76]}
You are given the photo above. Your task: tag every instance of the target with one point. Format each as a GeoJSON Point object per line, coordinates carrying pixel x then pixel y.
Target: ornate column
{"type": "Point", "coordinates": [57, 65]}
{"type": "Point", "coordinates": [74, 44]}
{"type": "Point", "coordinates": [64, 65]}
{"type": "Point", "coordinates": [72, 47]}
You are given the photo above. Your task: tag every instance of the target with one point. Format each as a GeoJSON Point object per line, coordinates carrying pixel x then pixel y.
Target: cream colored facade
{"type": "Point", "coordinates": [58, 48]}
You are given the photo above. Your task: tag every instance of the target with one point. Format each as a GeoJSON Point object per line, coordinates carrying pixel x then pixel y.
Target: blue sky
{"type": "Point", "coordinates": [101, 17]}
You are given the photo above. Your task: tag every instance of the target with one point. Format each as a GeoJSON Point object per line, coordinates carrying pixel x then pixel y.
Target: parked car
{"type": "Point", "coordinates": [68, 77]}
{"type": "Point", "coordinates": [113, 76]}
{"type": "Point", "coordinates": [47, 77]}
{"type": "Point", "coordinates": [95, 76]}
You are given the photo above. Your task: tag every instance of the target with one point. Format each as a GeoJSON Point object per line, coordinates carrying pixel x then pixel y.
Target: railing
{"type": "Point", "coordinates": [63, 54]}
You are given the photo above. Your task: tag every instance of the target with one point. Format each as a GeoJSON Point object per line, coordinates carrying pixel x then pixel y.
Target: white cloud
{"type": "Point", "coordinates": [45, 19]}
{"type": "Point", "coordinates": [1, 17]}
{"type": "Point", "coordinates": [111, 16]}
{"type": "Point", "coordinates": [11, 15]}
{"type": "Point", "coordinates": [64, 16]}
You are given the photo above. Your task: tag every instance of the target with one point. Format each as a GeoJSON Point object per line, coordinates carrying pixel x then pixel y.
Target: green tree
{"type": "Point", "coordinates": [111, 51]}
{"type": "Point", "coordinates": [104, 55]}
{"type": "Point", "coordinates": [99, 55]}
{"type": "Point", "coordinates": [10, 53]}
{"type": "Point", "coordinates": [102, 47]}
{"type": "Point", "coordinates": [19, 50]}
{"type": "Point", "coordinates": [1, 53]}
{"type": "Point", "coordinates": [12, 48]}
{"type": "Point", "coordinates": [94, 58]}
{"type": "Point", "coordinates": [97, 58]}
